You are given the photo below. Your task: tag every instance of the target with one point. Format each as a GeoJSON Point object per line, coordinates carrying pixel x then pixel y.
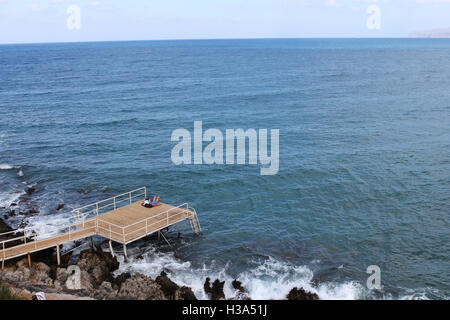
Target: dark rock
{"type": "Point", "coordinates": [29, 210]}
{"type": "Point", "coordinates": [60, 206]}
{"type": "Point", "coordinates": [185, 293]}
{"type": "Point", "coordinates": [238, 285]}
{"type": "Point", "coordinates": [117, 282]}
{"type": "Point", "coordinates": [11, 212]}
{"type": "Point", "coordinates": [105, 292]}
{"type": "Point", "coordinates": [167, 286]}
{"type": "Point", "coordinates": [172, 291]}
{"type": "Point", "coordinates": [177, 256]}
{"type": "Point", "coordinates": [216, 290]}
{"type": "Point", "coordinates": [207, 285]}
{"type": "Point", "coordinates": [140, 287]}
{"type": "Point", "coordinates": [167, 271]}
{"type": "Point", "coordinates": [301, 294]}
{"type": "Point", "coordinates": [4, 227]}
{"type": "Point", "coordinates": [98, 264]}
{"type": "Point", "coordinates": [30, 190]}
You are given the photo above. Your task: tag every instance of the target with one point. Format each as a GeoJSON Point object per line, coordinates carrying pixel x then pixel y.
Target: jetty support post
{"type": "Point", "coordinates": [29, 259]}
{"type": "Point", "coordinates": [111, 249]}
{"type": "Point", "coordinates": [58, 257]}
{"type": "Point", "coordinates": [4, 256]}
{"type": "Point", "coordinates": [125, 252]}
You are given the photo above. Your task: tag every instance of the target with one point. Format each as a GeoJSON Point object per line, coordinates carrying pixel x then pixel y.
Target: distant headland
{"type": "Point", "coordinates": [435, 33]}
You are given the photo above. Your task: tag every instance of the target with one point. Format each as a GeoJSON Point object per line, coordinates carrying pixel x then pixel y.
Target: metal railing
{"type": "Point", "coordinates": [31, 237]}
{"type": "Point", "coordinates": [144, 226]}
{"type": "Point", "coordinates": [112, 203]}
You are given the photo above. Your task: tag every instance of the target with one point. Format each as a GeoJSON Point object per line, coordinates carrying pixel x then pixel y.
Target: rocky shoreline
{"type": "Point", "coordinates": [94, 268]}
{"type": "Point", "coordinates": [91, 274]}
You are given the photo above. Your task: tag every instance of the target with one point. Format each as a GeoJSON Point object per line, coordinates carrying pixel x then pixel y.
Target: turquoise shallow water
{"type": "Point", "coordinates": [364, 154]}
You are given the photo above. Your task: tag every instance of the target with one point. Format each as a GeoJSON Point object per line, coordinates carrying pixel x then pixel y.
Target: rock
{"type": "Point", "coordinates": [37, 275]}
{"type": "Point", "coordinates": [4, 227]}
{"type": "Point", "coordinates": [216, 290]}
{"type": "Point", "coordinates": [105, 292]}
{"type": "Point", "coordinates": [30, 190]}
{"type": "Point", "coordinates": [117, 282]}
{"type": "Point", "coordinates": [98, 264]}
{"type": "Point", "coordinates": [140, 287]}
{"type": "Point", "coordinates": [167, 286]}
{"type": "Point", "coordinates": [86, 282]}
{"type": "Point", "coordinates": [60, 206]}
{"type": "Point", "coordinates": [40, 274]}
{"type": "Point", "coordinates": [301, 294]}
{"type": "Point", "coordinates": [238, 285]}
{"type": "Point", "coordinates": [172, 291]}
{"type": "Point", "coordinates": [29, 211]}
{"type": "Point", "coordinates": [61, 275]}
{"type": "Point", "coordinates": [22, 263]}
{"type": "Point", "coordinates": [185, 293]}
{"type": "Point", "coordinates": [15, 276]}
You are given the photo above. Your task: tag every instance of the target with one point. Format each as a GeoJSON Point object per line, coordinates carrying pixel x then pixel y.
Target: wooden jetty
{"type": "Point", "coordinates": [121, 219]}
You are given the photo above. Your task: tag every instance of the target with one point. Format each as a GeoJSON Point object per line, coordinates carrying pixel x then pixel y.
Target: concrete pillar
{"type": "Point", "coordinates": [111, 249]}
{"type": "Point", "coordinates": [58, 257]}
{"type": "Point", "coordinates": [125, 252]}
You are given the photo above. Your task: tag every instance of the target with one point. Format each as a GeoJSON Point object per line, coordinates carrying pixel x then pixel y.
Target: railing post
{"type": "Point", "coordinates": [130, 197]}
{"type": "Point", "coordinates": [110, 231]}
{"type": "Point", "coordinates": [123, 233]}
{"type": "Point", "coordinates": [96, 208]}
{"type": "Point", "coordinates": [114, 203]}
{"type": "Point", "coordinates": [145, 192]}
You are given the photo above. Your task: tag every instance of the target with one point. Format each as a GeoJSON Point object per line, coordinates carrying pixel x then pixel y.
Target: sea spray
{"type": "Point", "coordinates": [269, 279]}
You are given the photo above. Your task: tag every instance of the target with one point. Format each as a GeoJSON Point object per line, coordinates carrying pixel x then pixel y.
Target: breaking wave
{"type": "Point", "coordinates": [271, 279]}
{"type": "Point", "coordinates": [5, 166]}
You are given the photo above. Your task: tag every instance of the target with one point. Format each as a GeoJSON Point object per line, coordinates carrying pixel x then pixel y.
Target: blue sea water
{"type": "Point", "coordinates": [364, 173]}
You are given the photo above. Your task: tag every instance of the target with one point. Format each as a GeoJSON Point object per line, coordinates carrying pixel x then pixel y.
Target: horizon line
{"type": "Point", "coordinates": [210, 39]}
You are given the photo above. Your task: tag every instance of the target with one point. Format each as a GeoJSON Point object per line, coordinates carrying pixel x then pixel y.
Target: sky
{"type": "Point", "coordinates": [33, 21]}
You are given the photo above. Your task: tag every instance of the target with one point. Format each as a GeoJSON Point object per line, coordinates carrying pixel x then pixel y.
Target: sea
{"type": "Point", "coordinates": [364, 156]}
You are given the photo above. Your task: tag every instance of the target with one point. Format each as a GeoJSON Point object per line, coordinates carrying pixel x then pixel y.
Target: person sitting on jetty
{"type": "Point", "coordinates": [156, 201]}
{"type": "Point", "coordinates": [146, 203]}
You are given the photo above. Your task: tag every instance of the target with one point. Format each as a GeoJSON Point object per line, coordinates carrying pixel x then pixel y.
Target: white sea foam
{"type": "Point", "coordinates": [48, 225]}
{"type": "Point", "coordinates": [271, 279]}
{"type": "Point", "coordinates": [5, 166]}
{"type": "Point", "coordinates": [7, 198]}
